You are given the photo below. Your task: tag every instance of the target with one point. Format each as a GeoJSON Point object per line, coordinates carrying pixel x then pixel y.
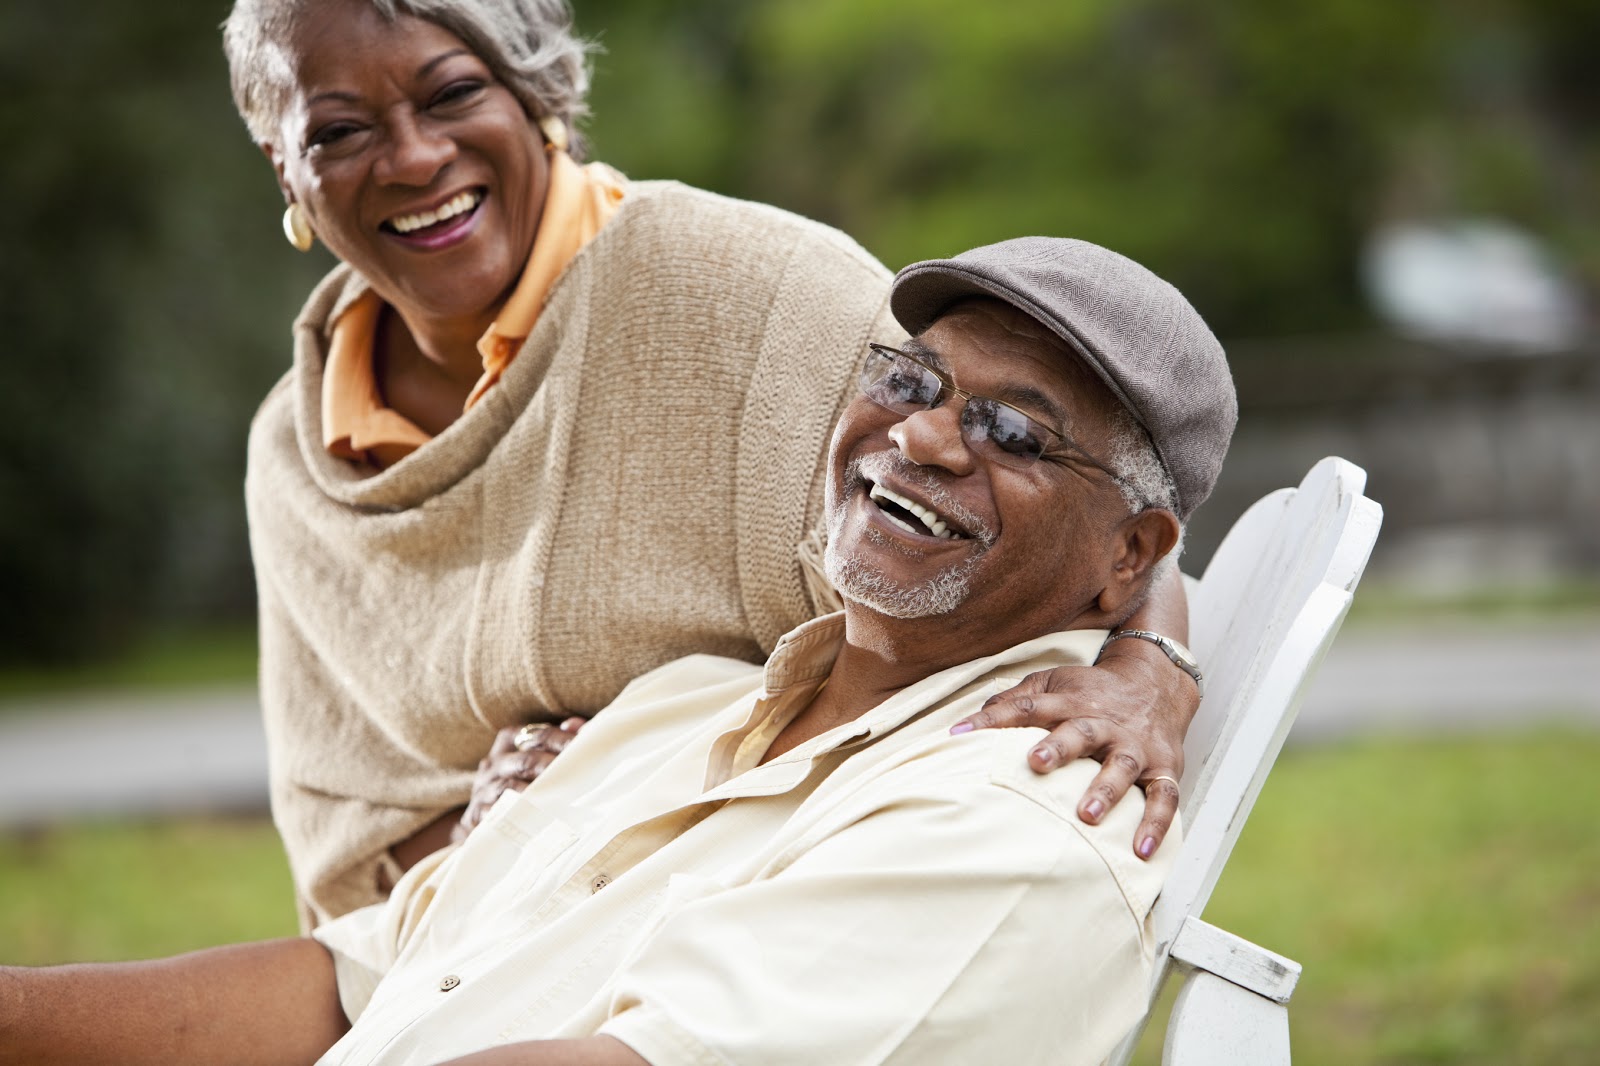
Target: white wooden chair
{"type": "Point", "coordinates": [1262, 616]}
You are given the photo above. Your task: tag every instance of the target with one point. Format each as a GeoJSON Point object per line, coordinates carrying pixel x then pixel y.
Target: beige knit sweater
{"type": "Point", "coordinates": [632, 491]}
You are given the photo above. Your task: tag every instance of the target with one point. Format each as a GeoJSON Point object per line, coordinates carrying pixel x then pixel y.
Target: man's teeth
{"type": "Point", "coordinates": [455, 206]}
{"type": "Point", "coordinates": [933, 522]}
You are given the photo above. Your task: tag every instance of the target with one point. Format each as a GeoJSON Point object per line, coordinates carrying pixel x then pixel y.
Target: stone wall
{"type": "Point", "coordinates": [1487, 464]}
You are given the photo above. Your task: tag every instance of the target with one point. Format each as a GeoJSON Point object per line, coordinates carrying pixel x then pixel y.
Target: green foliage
{"type": "Point", "coordinates": [147, 307]}
{"type": "Point", "coordinates": [164, 659]}
{"type": "Point", "coordinates": [1242, 149]}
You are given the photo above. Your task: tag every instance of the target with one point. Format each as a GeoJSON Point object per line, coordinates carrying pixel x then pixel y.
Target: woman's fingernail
{"type": "Point", "coordinates": [1147, 847]}
{"type": "Point", "coordinates": [1044, 756]}
{"type": "Point", "coordinates": [1095, 809]}
{"type": "Point", "coordinates": [959, 728]}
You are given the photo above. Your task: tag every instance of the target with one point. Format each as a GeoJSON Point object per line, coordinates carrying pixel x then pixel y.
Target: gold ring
{"type": "Point", "coordinates": [1162, 777]}
{"type": "Point", "coordinates": [528, 736]}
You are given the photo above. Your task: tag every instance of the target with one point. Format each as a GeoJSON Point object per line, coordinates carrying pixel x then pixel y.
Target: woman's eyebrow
{"type": "Point", "coordinates": [427, 67]}
{"type": "Point", "coordinates": [343, 96]}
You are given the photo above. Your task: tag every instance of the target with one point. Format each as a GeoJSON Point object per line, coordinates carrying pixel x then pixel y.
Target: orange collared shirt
{"type": "Point", "coordinates": [358, 424]}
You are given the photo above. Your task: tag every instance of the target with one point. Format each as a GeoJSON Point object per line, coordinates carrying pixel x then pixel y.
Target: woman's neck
{"type": "Point", "coordinates": [426, 370]}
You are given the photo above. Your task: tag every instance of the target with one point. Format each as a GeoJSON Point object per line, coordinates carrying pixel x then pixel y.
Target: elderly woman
{"type": "Point", "coordinates": [545, 430]}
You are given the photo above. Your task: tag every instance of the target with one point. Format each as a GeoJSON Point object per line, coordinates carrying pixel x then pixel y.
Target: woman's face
{"type": "Point", "coordinates": [415, 165]}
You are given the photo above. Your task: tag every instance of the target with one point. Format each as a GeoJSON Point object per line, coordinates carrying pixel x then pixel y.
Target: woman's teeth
{"type": "Point", "coordinates": [933, 523]}
{"type": "Point", "coordinates": [450, 209]}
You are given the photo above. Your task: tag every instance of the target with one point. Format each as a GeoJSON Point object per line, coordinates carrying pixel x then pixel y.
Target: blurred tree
{"type": "Point", "coordinates": [1242, 148]}
{"type": "Point", "coordinates": [147, 298]}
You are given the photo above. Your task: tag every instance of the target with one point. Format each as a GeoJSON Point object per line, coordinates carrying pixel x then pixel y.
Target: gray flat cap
{"type": "Point", "coordinates": [1138, 333]}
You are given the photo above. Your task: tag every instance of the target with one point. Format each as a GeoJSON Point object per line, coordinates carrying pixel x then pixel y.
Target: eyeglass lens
{"type": "Point", "coordinates": [895, 380]}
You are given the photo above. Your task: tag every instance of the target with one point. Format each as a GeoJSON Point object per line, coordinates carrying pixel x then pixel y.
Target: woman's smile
{"type": "Point", "coordinates": [451, 209]}
{"type": "Point", "coordinates": [405, 146]}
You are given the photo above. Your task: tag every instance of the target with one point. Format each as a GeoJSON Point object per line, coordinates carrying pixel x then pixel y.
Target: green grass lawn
{"type": "Point", "coordinates": [1443, 897]}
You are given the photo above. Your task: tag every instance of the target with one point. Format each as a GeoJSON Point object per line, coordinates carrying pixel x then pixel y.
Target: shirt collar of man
{"type": "Point", "coordinates": [801, 662]}
{"type": "Point", "coordinates": [357, 424]}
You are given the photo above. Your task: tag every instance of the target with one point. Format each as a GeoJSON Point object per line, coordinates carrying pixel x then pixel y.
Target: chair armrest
{"type": "Point", "coordinates": [1202, 946]}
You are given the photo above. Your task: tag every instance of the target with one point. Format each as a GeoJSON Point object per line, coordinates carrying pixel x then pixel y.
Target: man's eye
{"type": "Point", "coordinates": [1013, 432]}
{"type": "Point", "coordinates": [911, 387]}
{"type": "Point", "coordinates": [1015, 442]}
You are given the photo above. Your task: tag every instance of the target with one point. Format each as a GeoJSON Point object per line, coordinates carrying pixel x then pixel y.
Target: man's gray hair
{"type": "Point", "coordinates": [1143, 480]}
{"type": "Point", "coordinates": [528, 44]}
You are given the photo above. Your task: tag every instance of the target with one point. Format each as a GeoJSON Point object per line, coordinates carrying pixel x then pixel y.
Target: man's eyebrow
{"type": "Point", "coordinates": [1035, 402]}
{"type": "Point", "coordinates": [926, 354]}
{"type": "Point", "coordinates": [1027, 398]}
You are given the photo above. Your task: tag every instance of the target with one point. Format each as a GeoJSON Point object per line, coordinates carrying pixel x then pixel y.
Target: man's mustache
{"type": "Point", "coordinates": [880, 465]}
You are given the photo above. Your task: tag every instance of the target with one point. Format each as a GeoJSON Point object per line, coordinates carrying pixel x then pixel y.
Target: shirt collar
{"type": "Point", "coordinates": [805, 655]}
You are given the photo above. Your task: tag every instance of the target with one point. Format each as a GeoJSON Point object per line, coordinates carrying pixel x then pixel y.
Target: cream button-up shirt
{"type": "Point", "coordinates": [883, 893]}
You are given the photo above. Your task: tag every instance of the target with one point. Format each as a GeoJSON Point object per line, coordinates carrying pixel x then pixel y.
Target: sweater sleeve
{"type": "Point", "coordinates": [804, 376]}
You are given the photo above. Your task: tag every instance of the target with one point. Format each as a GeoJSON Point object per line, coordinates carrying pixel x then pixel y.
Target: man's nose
{"type": "Point", "coordinates": [415, 152]}
{"type": "Point", "coordinates": [933, 438]}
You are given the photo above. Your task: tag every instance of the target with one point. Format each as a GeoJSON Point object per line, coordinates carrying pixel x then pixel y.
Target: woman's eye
{"type": "Point", "coordinates": [330, 134]}
{"type": "Point", "coordinates": [456, 93]}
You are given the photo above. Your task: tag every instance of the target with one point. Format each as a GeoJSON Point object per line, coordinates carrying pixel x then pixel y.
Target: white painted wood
{"type": "Point", "coordinates": [1217, 1023]}
{"type": "Point", "coordinates": [1261, 618]}
{"type": "Point", "coordinates": [1202, 946]}
{"type": "Point", "coordinates": [1269, 606]}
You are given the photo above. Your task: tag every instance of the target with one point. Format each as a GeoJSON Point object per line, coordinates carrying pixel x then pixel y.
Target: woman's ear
{"type": "Point", "coordinates": [1142, 540]}
{"type": "Point", "coordinates": [275, 157]}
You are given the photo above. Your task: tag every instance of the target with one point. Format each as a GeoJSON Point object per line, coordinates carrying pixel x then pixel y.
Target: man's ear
{"type": "Point", "coordinates": [1142, 540]}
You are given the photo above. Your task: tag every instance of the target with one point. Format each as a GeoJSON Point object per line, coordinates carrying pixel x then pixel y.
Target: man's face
{"type": "Point", "coordinates": [1020, 550]}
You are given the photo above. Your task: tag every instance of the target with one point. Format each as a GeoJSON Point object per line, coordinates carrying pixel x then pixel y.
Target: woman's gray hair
{"type": "Point", "coordinates": [528, 44]}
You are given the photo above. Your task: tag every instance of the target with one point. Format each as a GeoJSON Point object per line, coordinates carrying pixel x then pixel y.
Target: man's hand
{"type": "Point", "coordinates": [1130, 713]}
{"type": "Point", "coordinates": [519, 755]}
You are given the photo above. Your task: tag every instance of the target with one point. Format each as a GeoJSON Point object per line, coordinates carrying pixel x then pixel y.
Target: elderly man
{"type": "Point", "coordinates": [808, 862]}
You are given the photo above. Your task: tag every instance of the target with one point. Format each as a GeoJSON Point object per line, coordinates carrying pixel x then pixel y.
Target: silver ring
{"type": "Point", "coordinates": [1163, 777]}
{"type": "Point", "coordinates": [527, 737]}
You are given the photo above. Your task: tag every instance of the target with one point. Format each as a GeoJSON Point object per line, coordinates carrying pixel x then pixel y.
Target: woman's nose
{"type": "Point", "coordinates": [415, 153]}
{"type": "Point", "coordinates": [933, 438]}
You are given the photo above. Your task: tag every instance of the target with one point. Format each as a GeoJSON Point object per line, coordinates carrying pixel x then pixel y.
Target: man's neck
{"type": "Point", "coordinates": [879, 657]}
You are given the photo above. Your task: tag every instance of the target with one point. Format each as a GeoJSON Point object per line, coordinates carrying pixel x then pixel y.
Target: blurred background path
{"type": "Point", "coordinates": [191, 750]}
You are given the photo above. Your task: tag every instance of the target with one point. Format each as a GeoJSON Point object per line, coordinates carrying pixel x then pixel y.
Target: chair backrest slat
{"type": "Point", "coordinates": [1261, 618]}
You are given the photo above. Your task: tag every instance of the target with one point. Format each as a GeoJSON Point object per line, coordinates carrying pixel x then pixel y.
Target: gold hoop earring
{"type": "Point", "coordinates": [555, 132]}
{"type": "Point", "coordinates": [297, 227]}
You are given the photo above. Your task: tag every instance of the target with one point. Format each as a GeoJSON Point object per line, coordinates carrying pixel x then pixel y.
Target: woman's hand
{"type": "Point", "coordinates": [1129, 712]}
{"type": "Point", "coordinates": [519, 755]}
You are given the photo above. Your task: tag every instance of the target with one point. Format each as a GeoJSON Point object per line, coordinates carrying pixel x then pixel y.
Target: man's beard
{"type": "Point", "coordinates": [859, 581]}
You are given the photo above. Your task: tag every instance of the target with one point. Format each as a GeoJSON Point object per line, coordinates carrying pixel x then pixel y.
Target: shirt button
{"type": "Point", "coordinates": [449, 982]}
{"type": "Point", "coordinates": [599, 882]}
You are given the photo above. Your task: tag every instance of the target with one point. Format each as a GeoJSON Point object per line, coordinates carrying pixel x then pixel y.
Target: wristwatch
{"type": "Point", "coordinates": [1181, 657]}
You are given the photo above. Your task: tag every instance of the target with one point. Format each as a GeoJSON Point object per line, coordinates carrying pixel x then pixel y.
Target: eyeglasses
{"type": "Point", "coordinates": [904, 384]}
